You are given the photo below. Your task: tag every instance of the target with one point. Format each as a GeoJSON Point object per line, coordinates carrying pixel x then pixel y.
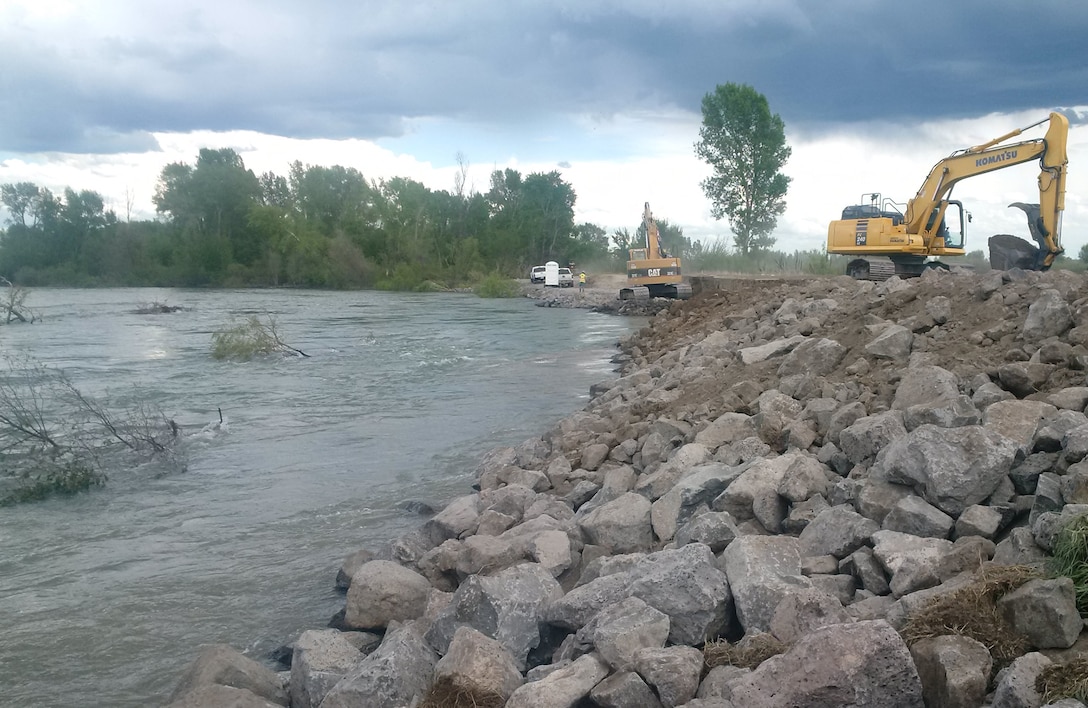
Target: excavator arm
{"type": "Point", "coordinates": [925, 211]}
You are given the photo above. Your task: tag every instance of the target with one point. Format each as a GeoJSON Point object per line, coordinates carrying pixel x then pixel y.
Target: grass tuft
{"type": "Point", "coordinates": [1068, 680]}
{"type": "Point", "coordinates": [748, 653]}
{"type": "Point", "coordinates": [1070, 559]}
{"type": "Point", "coordinates": [971, 611]}
{"type": "Point", "coordinates": [460, 692]}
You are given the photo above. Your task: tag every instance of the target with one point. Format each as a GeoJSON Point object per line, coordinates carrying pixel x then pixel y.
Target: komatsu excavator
{"type": "Point", "coordinates": [651, 272]}
{"type": "Point", "coordinates": [933, 225]}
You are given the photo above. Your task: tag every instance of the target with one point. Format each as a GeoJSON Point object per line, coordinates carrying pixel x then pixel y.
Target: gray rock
{"type": "Point", "coordinates": [842, 419]}
{"type": "Point", "coordinates": [624, 690]}
{"type": "Point", "coordinates": [951, 413]}
{"type": "Point", "coordinates": [618, 631]}
{"type": "Point", "coordinates": [762, 570]}
{"type": "Point", "coordinates": [893, 343]}
{"type": "Point", "coordinates": [562, 688]}
{"type": "Point", "coordinates": [989, 394]}
{"type": "Point", "coordinates": [1016, 683]}
{"type": "Point", "coordinates": [870, 667]}
{"type": "Point", "coordinates": [486, 554]}
{"type": "Point", "coordinates": [950, 468]}
{"type": "Point", "coordinates": [319, 660]}
{"type": "Point", "coordinates": [1017, 420]}
{"type": "Point", "coordinates": [1048, 316]}
{"type": "Point", "coordinates": [726, 428]}
{"type": "Point", "coordinates": [758, 482]}
{"type": "Point", "coordinates": [864, 567]}
{"type": "Point", "coordinates": [954, 670]}
{"type": "Point", "coordinates": [397, 672]}
{"type": "Point", "coordinates": [222, 665]}
{"type": "Point", "coordinates": [915, 516]}
{"type": "Point", "coordinates": [507, 607]}
{"type": "Point", "coordinates": [716, 529]}
{"type": "Point", "coordinates": [836, 531]}
{"type": "Point", "coordinates": [914, 563]}
{"type": "Point", "coordinates": [803, 513]}
{"type": "Point", "coordinates": [804, 478]}
{"type": "Point", "coordinates": [1019, 548]}
{"type": "Point", "coordinates": [593, 455]}
{"type": "Point", "coordinates": [479, 664]}
{"type": "Point", "coordinates": [1045, 611]}
{"type": "Point", "coordinates": [871, 434]}
{"type": "Point", "coordinates": [673, 672]}
{"type": "Point", "coordinates": [716, 683]}
{"type": "Point", "coordinates": [813, 357]}
{"type": "Point", "coordinates": [877, 498]}
{"type": "Point", "coordinates": [925, 385]}
{"type": "Point", "coordinates": [1023, 379]}
{"type": "Point", "coordinates": [692, 493]}
{"type": "Point", "coordinates": [977, 520]}
{"type": "Point", "coordinates": [622, 525]}
{"type": "Point", "coordinates": [217, 696]}
{"type": "Point", "coordinates": [351, 564]}
{"type": "Point", "coordinates": [806, 610]}
{"type": "Point", "coordinates": [683, 583]}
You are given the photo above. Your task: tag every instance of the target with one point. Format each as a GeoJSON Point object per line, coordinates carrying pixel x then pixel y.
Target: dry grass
{"type": "Point", "coordinates": [1069, 680]}
{"type": "Point", "coordinates": [748, 653]}
{"type": "Point", "coordinates": [459, 692]}
{"type": "Point", "coordinates": [971, 611]}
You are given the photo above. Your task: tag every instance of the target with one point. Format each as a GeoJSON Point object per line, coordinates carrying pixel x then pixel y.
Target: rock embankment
{"type": "Point", "coordinates": [820, 493]}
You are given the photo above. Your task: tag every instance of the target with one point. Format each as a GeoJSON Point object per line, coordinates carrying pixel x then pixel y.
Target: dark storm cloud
{"type": "Point", "coordinates": [356, 69]}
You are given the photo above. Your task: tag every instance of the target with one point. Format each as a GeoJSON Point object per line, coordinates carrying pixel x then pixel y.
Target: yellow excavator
{"type": "Point", "coordinates": [932, 225]}
{"type": "Point", "coordinates": [651, 272]}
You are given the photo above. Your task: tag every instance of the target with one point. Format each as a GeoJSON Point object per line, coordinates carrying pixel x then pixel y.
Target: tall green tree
{"type": "Point", "coordinates": [746, 147]}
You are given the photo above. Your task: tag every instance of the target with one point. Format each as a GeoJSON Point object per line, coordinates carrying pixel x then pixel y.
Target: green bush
{"type": "Point", "coordinates": [495, 285]}
{"type": "Point", "coordinates": [65, 479]}
{"type": "Point", "coordinates": [242, 341]}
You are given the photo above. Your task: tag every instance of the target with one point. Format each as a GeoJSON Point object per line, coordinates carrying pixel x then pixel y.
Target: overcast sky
{"type": "Point", "coordinates": [102, 95]}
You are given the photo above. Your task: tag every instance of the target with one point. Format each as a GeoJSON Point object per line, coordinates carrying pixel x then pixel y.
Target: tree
{"type": "Point", "coordinates": [1083, 255]}
{"type": "Point", "coordinates": [746, 147]}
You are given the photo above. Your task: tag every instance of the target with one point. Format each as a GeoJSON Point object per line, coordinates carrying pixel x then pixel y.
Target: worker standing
{"type": "Point", "coordinates": [581, 282]}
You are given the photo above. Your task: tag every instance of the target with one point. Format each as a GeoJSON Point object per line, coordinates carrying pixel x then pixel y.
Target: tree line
{"type": "Point", "coordinates": [219, 224]}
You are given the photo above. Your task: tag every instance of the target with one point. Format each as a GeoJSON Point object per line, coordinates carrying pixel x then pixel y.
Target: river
{"type": "Point", "coordinates": [106, 596]}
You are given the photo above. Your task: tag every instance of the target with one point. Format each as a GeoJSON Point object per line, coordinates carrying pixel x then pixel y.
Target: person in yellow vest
{"type": "Point", "coordinates": [581, 282]}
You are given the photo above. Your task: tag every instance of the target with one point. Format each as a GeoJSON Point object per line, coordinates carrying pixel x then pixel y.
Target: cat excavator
{"type": "Point", "coordinates": [889, 241]}
{"type": "Point", "coordinates": [651, 272]}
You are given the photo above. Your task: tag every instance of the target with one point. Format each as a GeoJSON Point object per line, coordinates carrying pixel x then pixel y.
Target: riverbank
{"type": "Point", "coordinates": [781, 467]}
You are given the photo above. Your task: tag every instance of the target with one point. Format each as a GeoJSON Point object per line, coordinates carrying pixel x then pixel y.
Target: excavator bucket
{"type": "Point", "coordinates": [1008, 251]}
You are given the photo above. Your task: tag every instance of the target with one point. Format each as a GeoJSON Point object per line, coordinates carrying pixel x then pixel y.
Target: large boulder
{"type": "Point", "coordinates": [618, 631]}
{"type": "Point", "coordinates": [222, 665]}
{"type": "Point", "coordinates": [621, 525]}
{"type": "Point", "coordinates": [396, 673]}
{"type": "Point", "coordinates": [862, 665]}
{"type": "Point", "coordinates": [319, 660]}
{"type": "Point", "coordinates": [914, 562]}
{"type": "Point", "coordinates": [477, 665]}
{"type": "Point", "coordinates": [1048, 316]}
{"type": "Point", "coordinates": [954, 670]}
{"type": "Point", "coordinates": [762, 570]}
{"type": "Point", "coordinates": [951, 468]}
{"type": "Point", "coordinates": [563, 688]}
{"type": "Point", "coordinates": [682, 583]}
{"type": "Point", "coordinates": [507, 607]}
{"type": "Point", "coordinates": [381, 592]}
